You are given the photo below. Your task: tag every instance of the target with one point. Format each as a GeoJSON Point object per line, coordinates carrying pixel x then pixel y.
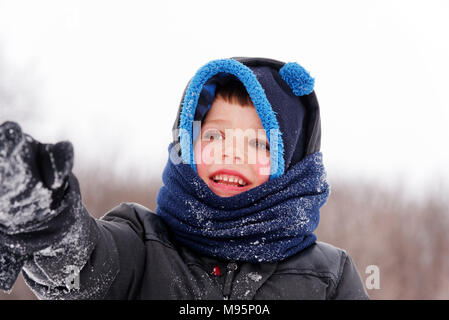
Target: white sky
{"type": "Point", "coordinates": [110, 75]}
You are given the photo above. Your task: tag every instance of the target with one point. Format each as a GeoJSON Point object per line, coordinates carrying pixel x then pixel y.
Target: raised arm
{"type": "Point", "coordinates": [46, 230]}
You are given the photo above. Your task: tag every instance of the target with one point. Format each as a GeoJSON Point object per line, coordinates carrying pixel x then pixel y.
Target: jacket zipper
{"type": "Point", "coordinates": [231, 268]}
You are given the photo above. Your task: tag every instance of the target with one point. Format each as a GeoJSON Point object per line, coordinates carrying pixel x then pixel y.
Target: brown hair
{"type": "Point", "coordinates": [233, 91]}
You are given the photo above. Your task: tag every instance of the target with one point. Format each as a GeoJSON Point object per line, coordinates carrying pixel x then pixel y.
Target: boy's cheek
{"type": "Point", "coordinates": [201, 167]}
{"type": "Point", "coordinates": [202, 171]}
{"type": "Point", "coordinates": [263, 167]}
{"type": "Point", "coordinates": [207, 153]}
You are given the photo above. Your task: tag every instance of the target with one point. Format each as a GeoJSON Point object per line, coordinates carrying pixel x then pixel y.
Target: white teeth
{"type": "Point", "coordinates": [229, 179]}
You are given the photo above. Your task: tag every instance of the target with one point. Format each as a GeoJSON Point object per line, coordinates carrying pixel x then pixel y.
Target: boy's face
{"type": "Point", "coordinates": [232, 152]}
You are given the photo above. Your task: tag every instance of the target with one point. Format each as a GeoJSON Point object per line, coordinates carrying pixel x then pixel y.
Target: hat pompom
{"type": "Point", "coordinates": [297, 78]}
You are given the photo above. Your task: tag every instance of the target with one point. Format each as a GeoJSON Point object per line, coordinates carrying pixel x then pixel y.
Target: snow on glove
{"type": "Point", "coordinates": [33, 181]}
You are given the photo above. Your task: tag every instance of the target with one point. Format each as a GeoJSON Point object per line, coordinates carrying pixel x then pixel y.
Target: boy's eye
{"type": "Point", "coordinates": [212, 135]}
{"type": "Point", "coordinates": [260, 144]}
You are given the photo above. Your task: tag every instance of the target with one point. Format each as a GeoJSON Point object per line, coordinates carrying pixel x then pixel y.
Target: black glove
{"type": "Point", "coordinates": [33, 184]}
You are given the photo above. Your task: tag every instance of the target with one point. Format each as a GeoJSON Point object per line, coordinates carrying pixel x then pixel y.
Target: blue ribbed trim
{"type": "Point", "coordinates": [298, 79]}
{"type": "Point", "coordinates": [257, 95]}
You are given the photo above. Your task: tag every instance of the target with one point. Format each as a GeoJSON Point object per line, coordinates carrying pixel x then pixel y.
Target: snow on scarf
{"type": "Point", "coordinates": [268, 223]}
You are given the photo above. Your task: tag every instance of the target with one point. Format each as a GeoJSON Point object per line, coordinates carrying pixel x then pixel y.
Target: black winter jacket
{"type": "Point", "coordinates": [130, 254]}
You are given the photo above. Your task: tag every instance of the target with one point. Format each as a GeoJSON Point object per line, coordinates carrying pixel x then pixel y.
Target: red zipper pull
{"type": "Point", "coordinates": [216, 271]}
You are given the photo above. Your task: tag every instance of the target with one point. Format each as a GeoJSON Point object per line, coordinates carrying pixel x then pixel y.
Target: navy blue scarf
{"type": "Point", "coordinates": [268, 223]}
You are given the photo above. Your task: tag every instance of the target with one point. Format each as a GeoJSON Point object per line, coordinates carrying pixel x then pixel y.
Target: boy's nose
{"type": "Point", "coordinates": [232, 152]}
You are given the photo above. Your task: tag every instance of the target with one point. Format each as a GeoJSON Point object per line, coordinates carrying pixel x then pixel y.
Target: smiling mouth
{"type": "Point", "coordinates": [229, 180]}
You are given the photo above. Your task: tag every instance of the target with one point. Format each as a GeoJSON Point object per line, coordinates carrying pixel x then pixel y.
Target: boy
{"type": "Point", "coordinates": [234, 219]}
